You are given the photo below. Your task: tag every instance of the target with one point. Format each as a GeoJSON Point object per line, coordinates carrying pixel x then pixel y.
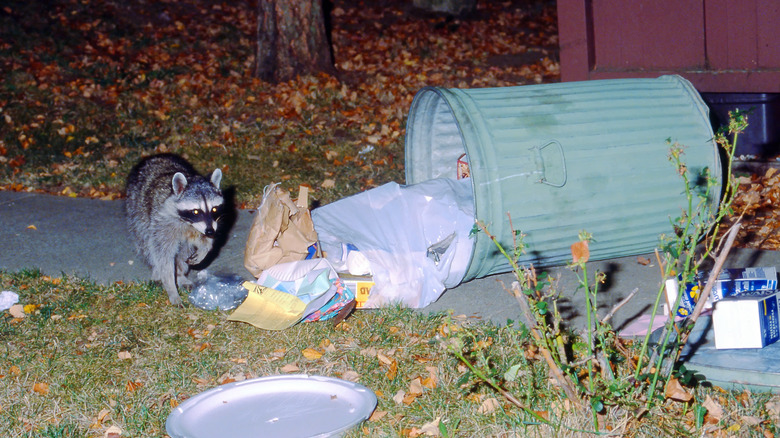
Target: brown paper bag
{"type": "Point", "coordinates": [281, 231]}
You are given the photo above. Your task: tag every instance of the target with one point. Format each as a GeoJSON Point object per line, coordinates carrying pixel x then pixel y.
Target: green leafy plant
{"type": "Point", "coordinates": [684, 255]}
{"type": "Point", "coordinates": [593, 369]}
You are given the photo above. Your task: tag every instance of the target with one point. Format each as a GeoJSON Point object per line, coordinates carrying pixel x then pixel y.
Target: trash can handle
{"type": "Point", "coordinates": [551, 162]}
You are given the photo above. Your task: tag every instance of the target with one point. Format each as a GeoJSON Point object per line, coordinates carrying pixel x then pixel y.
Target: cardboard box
{"type": "Point", "coordinates": [730, 282]}
{"type": "Point", "coordinates": [749, 320]}
{"type": "Point", "coordinates": [361, 285]}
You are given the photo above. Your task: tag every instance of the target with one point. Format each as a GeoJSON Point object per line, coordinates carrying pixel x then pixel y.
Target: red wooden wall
{"type": "Point", "coordinates": [719, 45]}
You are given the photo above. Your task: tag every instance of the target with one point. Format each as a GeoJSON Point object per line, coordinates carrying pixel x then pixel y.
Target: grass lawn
{"type": "Point", "coordinates": [87, 357]}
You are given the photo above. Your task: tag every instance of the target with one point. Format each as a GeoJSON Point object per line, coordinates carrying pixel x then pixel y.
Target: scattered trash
{"type": "Point", "coordinates": [748, 320]}
{"type": "Point", "coordinates": [8, 299]}
{"type": "Point", "coordinates": [281, 232]}
{"type": "Point", "coordinates": [359, 284]}
{"type": "Point", "coordinates": [288, 293]}
{"type": "Point", "coordinates": [729, 282]}
{"type": "Point", "coordinates": [223, 292]}
{"type": "Point", "coordinates": [462, 169]}
{"type": "Point", "coordinates": [638, 326]}
{"type": "Point", "coordinates": [352, 261]}
{"type": "Point", "coordinates": [415, 238]}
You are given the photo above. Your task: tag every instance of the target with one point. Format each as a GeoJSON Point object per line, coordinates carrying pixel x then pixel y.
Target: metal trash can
{"type": "Point", "coordinates": [565, 157]}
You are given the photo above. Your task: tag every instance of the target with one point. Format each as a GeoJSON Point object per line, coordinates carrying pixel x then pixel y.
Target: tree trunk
{"type": "Point", "coordinates": [291, 40]}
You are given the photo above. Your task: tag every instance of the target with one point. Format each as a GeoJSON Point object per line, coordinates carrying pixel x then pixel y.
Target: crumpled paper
{"type": "Point", "coordinates": [8, 299]}
{"type": "Point", "coordinates": [282, 231]}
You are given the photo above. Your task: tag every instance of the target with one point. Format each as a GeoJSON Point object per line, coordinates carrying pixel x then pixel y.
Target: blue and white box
{"type": "Point", "coordinates": [748, 320]}
{"type": "Point", "coordinates": [730, 282]}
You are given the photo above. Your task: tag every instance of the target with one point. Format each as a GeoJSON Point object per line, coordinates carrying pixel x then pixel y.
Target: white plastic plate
{"type": "Point", "coordinates": [276, 406]}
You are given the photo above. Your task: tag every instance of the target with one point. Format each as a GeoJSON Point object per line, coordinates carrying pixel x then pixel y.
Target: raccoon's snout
{"type": "Point", "coordinates": [210, 232]}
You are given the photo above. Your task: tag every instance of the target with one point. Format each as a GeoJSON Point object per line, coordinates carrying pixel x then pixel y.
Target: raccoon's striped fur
{"type": "Point", "coordinates": [172, 214]}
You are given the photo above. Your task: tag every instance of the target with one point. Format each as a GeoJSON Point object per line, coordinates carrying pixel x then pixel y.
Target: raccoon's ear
{"type": "Point", "coordinates": [179, 183]}
{"type": "Point", "coordinates": [216, 177]}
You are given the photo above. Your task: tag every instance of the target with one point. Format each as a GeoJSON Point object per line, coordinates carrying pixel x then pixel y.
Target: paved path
{"type": "Point", "coordinates": [87, 237]}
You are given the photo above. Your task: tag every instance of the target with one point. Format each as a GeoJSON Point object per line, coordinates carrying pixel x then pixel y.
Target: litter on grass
{"type": "Point", "coordinates": [287, 293]}
{"type": "Point", "coordinates": [223, 292]}
{"type": "Point", "coordinates": [8, 299]}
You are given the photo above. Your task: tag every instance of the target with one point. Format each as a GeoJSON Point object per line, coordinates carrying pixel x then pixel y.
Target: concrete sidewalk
{"type": "Point", "coordinates": [87, 238]}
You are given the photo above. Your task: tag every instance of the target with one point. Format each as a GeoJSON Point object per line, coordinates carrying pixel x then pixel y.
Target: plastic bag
{"type": "Point", "coordinates": [415, 238]}
{"type": "Point", "coordinates": [223, 292]}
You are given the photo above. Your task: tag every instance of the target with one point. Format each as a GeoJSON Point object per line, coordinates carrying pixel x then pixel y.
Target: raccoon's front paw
{"type": "Point", "coordinates": [169, 284]}
{"type": "Point", "coordinates": [175, 299]}
{"type": "Point", "coordinates": [184, 282]}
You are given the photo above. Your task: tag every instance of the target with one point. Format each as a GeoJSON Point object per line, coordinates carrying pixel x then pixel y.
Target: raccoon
{"type": "Point", "coordinates": [173, 214]}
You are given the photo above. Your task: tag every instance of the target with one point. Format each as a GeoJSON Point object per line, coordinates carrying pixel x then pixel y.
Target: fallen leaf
{"type": "Point", "coordinates": [714, 409]}
{"type": "Point", "coordinates": [131, 386]}
{"type": "Point", "coordinates": [368, 352]}
{"type": "Point", "coordinates": [377, 415]}
{"type": "Point", "coordinates": [112, 432]}
{"type": "Point", "coordinates": [488, 406]}
{"type": "Point", "coordinates": [384, 359]}
{"type": "Point", "coordinates": [644, 261]}
{"type": "Point", "coordinates": [17, 311]}
{"type": "Point", "coordinates": [580, 252]}
{"type": "Point", "coordinates": [311, 354]}
{"type": "Point", "coordinates": [225, 379]}
{"type": "Point", "coordinates": [431, 428]}
{"type": "Point", "coordinates": [328, 184]}
{"type": "Point", "coordinates": [416, 387]}
{"type": "Point", "coordinates": [772, 408]}
{"type": "Point", "coordinates": [675, 391]}
{"type": "Point", "coordinates": [398, 398]}
{"type": "Point", "coordinates": [750, 420]}
{"type": "Point", "coordinates": [392, 372]}
{"type": "Point", "coordinates": [32, 227]}
{"type": "Point", "coordinates": [124, 355]}
{"type": "Point", "coordinates": [433, 378]}
{"type": "Point", "coordinates": [350, 376]}
{"type": "Point", "coordinates": [743, 180]}
{"type": "Point", "coordinates": [291, 368]}
{"type": "Point", "coordinates": [41, 388]}
{"type": "Point", "coordinates": [31, 308]}
{"type": "Point", "coordinates": [410, 398]}
{"type": "Point", "coordinates": [101, 416]}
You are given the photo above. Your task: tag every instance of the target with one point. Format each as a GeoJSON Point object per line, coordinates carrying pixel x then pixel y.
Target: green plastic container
{"type": "Point", "coordinates": [565, 157]}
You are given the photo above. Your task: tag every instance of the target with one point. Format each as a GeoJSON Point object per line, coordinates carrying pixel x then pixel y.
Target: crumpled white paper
{"type": "Point", "coordinates": [8, 299]}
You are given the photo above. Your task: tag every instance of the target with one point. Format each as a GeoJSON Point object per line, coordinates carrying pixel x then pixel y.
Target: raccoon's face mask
{"type": "Point", "coordinates": [200, 204]}
{"type": "Point", "coordinates": [204, 221]}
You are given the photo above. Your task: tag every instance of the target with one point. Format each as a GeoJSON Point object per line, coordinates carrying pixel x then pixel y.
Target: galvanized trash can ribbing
{"type": "Point", "coordinates": [565, 157]}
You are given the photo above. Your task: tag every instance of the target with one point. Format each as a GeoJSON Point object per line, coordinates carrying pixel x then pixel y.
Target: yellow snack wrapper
{"type": "Point", "coordinates": [268, 308]}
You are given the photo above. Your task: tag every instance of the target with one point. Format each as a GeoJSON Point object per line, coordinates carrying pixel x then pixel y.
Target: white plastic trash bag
{"type": "Point", "coordinates": [415, 238]}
